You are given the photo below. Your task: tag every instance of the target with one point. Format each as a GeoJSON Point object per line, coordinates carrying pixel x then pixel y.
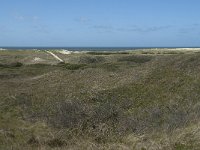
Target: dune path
{"type": "Point", "coordinates": [55, 56]}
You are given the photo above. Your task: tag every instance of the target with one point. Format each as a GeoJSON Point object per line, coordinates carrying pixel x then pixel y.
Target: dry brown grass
{"type": "Point", "coordinates": [115, 101]}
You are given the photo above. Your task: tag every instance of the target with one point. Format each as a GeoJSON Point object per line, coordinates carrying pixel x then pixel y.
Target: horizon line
{"type": "Point", "coordinates": [100, 46]}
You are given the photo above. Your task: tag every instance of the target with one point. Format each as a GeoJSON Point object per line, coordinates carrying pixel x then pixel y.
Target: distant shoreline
{"type": "Point", "coordinates": [99, 48]}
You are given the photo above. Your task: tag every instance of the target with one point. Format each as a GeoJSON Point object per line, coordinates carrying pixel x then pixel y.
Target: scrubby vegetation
{"type": "Point", "coordinates": [135, 58]}
{"type": "Point", "coordinates": [11, 65]}
{"type": "Point", "coordinates": [117, 102]}
{"type": "Point", "coordinates": [90, 60]}
{"type": "Point", "coordinates": [72, 66]}
{"type": "Point", "coordinates": [106, 53]}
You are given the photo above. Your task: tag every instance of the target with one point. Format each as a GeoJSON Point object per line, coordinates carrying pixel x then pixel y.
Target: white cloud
{"type": "Point", "coordinates": [41, 29]}
{"type": "Point", "coordinates": [35, 18]}
{"type": "Point", "coordinates": [83, 20]}
{"type": "Point", "coordinates": [19, 17]}
{"type": "Point", "coordinates": [133, 28]}
{"type": "Point", "coordinates": [144, 29]}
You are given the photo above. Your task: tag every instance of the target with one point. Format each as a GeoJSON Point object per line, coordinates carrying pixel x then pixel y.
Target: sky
{"type": "Point", "coordinates": [100, 23]}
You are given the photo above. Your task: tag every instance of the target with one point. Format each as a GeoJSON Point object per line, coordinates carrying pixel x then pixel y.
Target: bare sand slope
{"type": "Point", "coordinates": [55, 56]}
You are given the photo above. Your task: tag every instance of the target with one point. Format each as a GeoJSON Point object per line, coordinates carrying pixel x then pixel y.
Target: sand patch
{"type": "Point", "coordinates": [2, 49]}
{"type": "Point", "coordinates": [38, 59]}
{"type": "Point", "coordinates": [65, 52]}
{"type": "Point", "coordinates": [55, 56]}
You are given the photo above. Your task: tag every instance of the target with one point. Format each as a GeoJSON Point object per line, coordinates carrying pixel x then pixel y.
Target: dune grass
{"type": "Point", "coordinates": [95, 104]}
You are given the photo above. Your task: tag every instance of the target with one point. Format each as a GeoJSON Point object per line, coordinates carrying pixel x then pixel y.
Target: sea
{"type": "Point", "coordinates": [87, 48]}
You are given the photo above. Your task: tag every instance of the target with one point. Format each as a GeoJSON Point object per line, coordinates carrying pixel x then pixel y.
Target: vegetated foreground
{"type": "Point", "coordinates": [134, 100]}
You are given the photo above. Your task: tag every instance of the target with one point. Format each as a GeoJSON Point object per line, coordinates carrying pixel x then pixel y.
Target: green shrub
{"type": "Point", "coordinates": [107, 66]}
{"type": "Point", "coordinates": [39, 65]}
{"type": "Point", "coordinates": [91, 60]}
{"type": "Point", "coordinates": [12, 65]}
{"type": "Point", "coordinates": [99, 53]}
{"type": "Point", "coordinates": [179, 146]}
{"type": "Point", "coordinates": [72, 66]}
{"type": "Point", "coordinates": [148, 52]}
{"type": "Point", "coordinates": [106, 53]}
{"type": "Point", "coordinates": [136, 59]}
{"type": "Point", "coordinates": [16, 64]}
{"type": "Point", "coordinates": [56, 143]}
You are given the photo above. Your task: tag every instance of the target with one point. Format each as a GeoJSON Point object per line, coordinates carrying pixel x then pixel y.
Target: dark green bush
{"type": "Point", "coordinates": [173, 52]}
{"type": "Point", "coordinates": [12, 65]}
{"type": "Point", "coordinates": [106, 66]}
{"type": "Point", "coordinates": [106, 53]}
{"type": "Point", "coordinates": [100, 53]}
{"type": "Point", "coordinates": [136, 59]}
{"type": "Point", "coordinates": [147, 52]}
{"type": "Point", "coordinates": [90, 60]}
{"type": "Point", "coordinates": [72, 66]}
{"type": "Point", "coordinates": [39, 66]}
{"type": "Point", "coordinates": [16, 64]}
{"type": "Point", "coordinates": [56, 143]}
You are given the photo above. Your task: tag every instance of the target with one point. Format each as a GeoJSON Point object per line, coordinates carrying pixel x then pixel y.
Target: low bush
{"type": "Point", "coordinates": [72, 66]}
{"type": "Point", "coordinates": [107, 66]}
{"type": "Point", "coordinates": [173, 52]}
{"type": "Point", "coordinates": [90, 60]}
{"type": "Point", "coordinates": [39, 65]}
{"type": "Point", "coordinates": [147, 52]}
{"type": "Point", "coordinates": [106, 53]}
{"type": "Point", "coordinates": [136, 59]}
{"type": "Point", "coordinates": [12, 65]}
{"type": "Point", "coordinates": [56, 143]}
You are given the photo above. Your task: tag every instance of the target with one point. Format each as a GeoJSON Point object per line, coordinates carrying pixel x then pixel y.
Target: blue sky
{"type": "Point", "coordinates": [103, 23]}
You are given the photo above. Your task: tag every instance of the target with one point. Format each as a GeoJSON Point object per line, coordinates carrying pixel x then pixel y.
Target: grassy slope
{"type": "Point", "coordinates": [112, 101]}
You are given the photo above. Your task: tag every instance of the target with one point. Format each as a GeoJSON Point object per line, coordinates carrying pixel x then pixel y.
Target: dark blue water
{"type": "Point", "coordinates": [86, 48]}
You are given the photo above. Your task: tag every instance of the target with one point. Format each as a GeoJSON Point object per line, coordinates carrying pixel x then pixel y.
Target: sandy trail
{"type": "Point", "coordinates": [55, 56]}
